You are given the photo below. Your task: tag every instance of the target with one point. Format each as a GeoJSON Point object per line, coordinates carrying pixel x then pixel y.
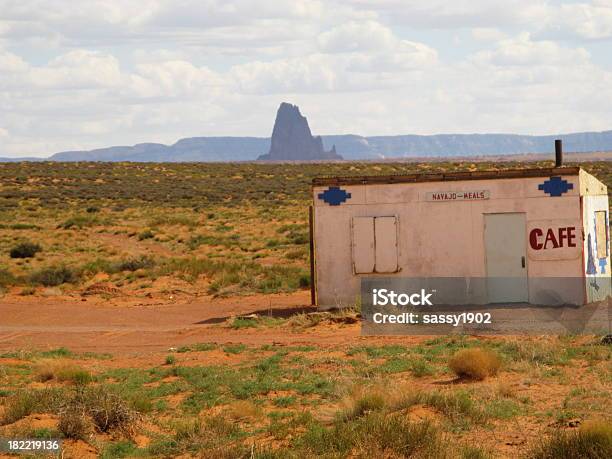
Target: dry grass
{"type": "Point", "coordinates": [74, 423]}
{"type": "Point", "coordinates": [475, 363]}
{"type": "Point", "coordinates": [592, 441]}
{"type": "Point", "coordinates": [242, 410]}
{"type": "Point", "coordinates": [212, 436]}
{"type": "Point", "coordinates": [505, 390]}
{"type": "Point", "coordinates": [393, 399]}
{"type": "Point", "coordinates": [108, 411]}
{"type": "Point", "coordinates": [26, 402]}
{"type": "Point", "coordinates": [62, 371]}
{"type": "Point", "coordinates": [374, 435]}
{"type": "Point", "coordinates": [364, 400]}
{"type": "Point", "coordinates": [319, 400]}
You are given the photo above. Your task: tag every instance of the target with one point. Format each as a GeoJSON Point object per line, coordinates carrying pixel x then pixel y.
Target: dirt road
{"type": "Point", "coordinates": [96, 325]}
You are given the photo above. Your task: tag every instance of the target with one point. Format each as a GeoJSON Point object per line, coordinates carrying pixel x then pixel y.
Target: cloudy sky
{"type": "Point", "coordinates": [88, 74]}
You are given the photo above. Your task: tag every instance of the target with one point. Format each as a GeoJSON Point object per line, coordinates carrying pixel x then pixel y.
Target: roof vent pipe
{"type": "Point", "coordinates": [558, 153]}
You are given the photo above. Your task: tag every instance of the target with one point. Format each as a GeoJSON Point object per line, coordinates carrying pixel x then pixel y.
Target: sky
{"type": "Point", "coordinates": [91, 74]}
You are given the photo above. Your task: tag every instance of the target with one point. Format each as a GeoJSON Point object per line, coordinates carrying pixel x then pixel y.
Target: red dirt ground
{"type": "Point", "coordinates": [101, 326]}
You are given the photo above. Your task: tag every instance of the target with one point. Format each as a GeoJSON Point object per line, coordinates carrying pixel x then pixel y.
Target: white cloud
{"type": "Point", "coordinates": [173, 78]}
{"type": "Point", "coordinates": [314, 73]}
{"type": "Point", "coordinates": [487, 34]}
{"type": "Point", "coordinates": [522, 50]}
{"type": "Point", "coordinates": [11, 63]}
{"type": "Point", "coordinates": [356, 36]}
{"type": "Point", "coordinates": [369, 46]}
{"type": "Point", "coordinates": [583, 20]}
{"type": "Point", "coordinates": [442, 14]}
{"type": "Point", "coordinates": [404, 55]}
{"type": "Point", "coordinates": [79, 69]}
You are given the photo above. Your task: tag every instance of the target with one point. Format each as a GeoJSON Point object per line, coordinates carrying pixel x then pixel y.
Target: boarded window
{"type": "Point", "coordinates": [374, 244]}
{"type": "Point", "coordinates": [601, 234]}
{"type": "Point", "coordinates": [385, 233]}
{"type": "Point", "coordinates": [363, 245]}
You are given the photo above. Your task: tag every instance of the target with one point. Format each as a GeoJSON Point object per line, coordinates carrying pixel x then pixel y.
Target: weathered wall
{"type": "Point", "coordinates": [596, 249]}
{"type": "Point", "coordinates": [446, 239]}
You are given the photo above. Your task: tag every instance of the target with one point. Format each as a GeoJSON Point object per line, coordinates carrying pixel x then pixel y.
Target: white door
{"type": "Point", "coordinates": [506, 258]}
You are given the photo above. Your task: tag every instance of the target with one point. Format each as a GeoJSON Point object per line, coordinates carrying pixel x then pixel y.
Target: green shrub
{"type": "Point", "coordinates": [119, 449]}
{"type": "Point", "coordinates": [100, 265]}
{"type": "Point", "coordinates": [375, 435]}
{"type": "Point", "coordinates": [6, 278]}
{"type": "Point", "coordinates": [80, 221]}
{"type": "Point", "coordinates": [54, 275]}
{"type": "Point", "coordinates": [364, 403]}
{"type": "Point", "coordinates": [134, 264]}
{"type": "Point", "coordinates": [271, 243]}
{"type": "Point", "coordinates": [212, 436]}
{"type": "Point", "coordinates": [23, 226]}
{"type": "Point", "coordinates": [456, 405]}
{"type": "Point", "coordinates": [146, 234]}
{"type": "Point", "coordinates": [304, 281]}
{"type": "Point", "coordinates": [57, 352]}
{"type": "Point", "coordinates": [25, 250]}
{"type": "Point", "coordinates": [298, 238]}
{"type": "Point", "coordinates": [244, 322]}
{"type": "Point", "coordinates": [26, 402]}
{"type": "Point", "coordinates": [171, 220]}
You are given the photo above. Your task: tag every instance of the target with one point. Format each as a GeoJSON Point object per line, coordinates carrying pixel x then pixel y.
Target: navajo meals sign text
{"type": "Point", "coordinates": [457, 195]}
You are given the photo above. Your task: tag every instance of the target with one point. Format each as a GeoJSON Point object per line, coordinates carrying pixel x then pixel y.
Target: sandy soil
{"type": "Point", "coordinates": [103, 326]}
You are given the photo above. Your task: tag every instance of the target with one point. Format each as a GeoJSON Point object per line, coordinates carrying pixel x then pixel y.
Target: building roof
{"type": "Point", "coordinates": [446, 176]}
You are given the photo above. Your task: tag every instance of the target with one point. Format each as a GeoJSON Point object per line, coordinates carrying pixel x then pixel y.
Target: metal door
{"type": "Point", "coordinates": [506, 258]}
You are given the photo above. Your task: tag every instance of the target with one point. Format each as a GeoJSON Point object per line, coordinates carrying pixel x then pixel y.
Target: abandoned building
{"type": "Point", "coordinates": [513, 228]}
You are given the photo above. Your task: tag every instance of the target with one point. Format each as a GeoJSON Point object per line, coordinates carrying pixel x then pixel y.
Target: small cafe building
{"type": "Point", "coordinates": [516, 230]}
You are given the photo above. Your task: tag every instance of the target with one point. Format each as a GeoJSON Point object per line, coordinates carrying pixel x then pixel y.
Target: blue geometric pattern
{"type": "Point", "coordinates": [556, 186]}
{"type": "Point", "coordinates": [334, 196]}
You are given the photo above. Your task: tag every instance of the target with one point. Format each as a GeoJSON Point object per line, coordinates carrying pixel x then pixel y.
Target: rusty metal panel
{"type": "Point", "coordinates": [363, 245]}
{"type": "Point", "coordinates": [385, 232]}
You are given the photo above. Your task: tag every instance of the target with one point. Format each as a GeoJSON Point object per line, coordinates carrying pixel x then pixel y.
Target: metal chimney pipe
{"type": "Point", "coordinates": [558, 153]}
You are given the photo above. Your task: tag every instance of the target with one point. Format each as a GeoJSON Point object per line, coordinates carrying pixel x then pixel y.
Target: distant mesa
{"type": "Point", "coordinates": [292, 139]}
